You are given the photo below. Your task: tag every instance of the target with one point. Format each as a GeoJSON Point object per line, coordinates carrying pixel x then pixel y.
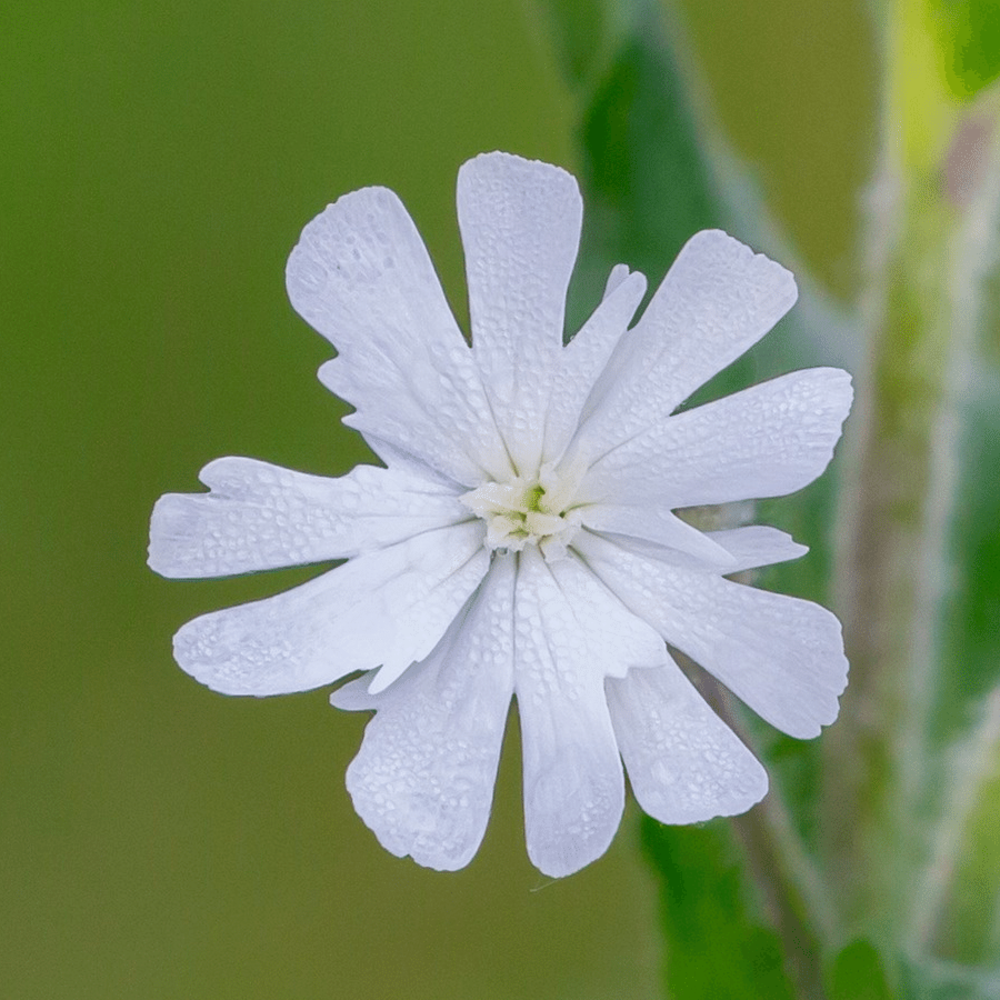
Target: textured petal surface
{"type": "Point", "coordinates": [586, 355]}
{"type": "Point", "coordinates": [361, 276]}
{"type": "Point", "coordinates": [783, 656]}
{"type": "Point", "coordinates": [387, 607]}
{"type": "Point", "coordinates": [569, 633]}
{"type": "Point", "coordinates": [751, 547]}
{"type": "Point", "coordinates": [757, 545]}
{"type": "Point", "coordinates": [765, 441]}
{"type": "Point", "coordinates": [716, 301]}
{"type": "Point", "coordinates": [261, 516]}
{"type": "Point", "coordinates": [661, 527]}
{"type": "Point", "coordinates": [423, 780]}
{"type": "Point", "coordinates": [563, 572]}
{"type": "Point", "coordinates": [684, 763]}
{"type": "Point", "coordinates": [520, 222]}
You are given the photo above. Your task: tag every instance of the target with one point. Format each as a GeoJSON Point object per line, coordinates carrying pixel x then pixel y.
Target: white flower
{"type": "Point", "coordinates": [521, 540]}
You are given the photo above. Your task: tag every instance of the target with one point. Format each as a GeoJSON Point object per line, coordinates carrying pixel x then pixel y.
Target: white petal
{"type": "Point", "coordinates": [362, 277]}
{"type": "Point", "coordinates": [731, 551]}
{"type": "Point", "coordinates": [520, 222]}
{"type": "Point", "coordinates": [569, 634]}
{"type": "Point", "coordinates": [662, 527]}
{"type": "Point", "coordinates": [586, 355]}
{"type": "Point", "coordinates": [408, 462]}
{"type": "Point", "coordinates": [717, 300]}
{"type": "Point", "coordinates": [423, 780]}
{"type": "Point", "coordinates": [261, 516]}
{"type": "Point", "coordinates": [684, 763]}
{"type": "Point", "coordinates": [618, 274]}
{"type": "Point", "coordinates": [757, 545]}
{"type": "Point", "coordinates": [783, 656]}
{"type": "Point", "coordinates": [386, 607]}
{"type": "Point", "coordinates": [765, 441]}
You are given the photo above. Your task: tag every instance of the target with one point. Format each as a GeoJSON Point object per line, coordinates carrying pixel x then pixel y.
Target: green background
{"type": "Point", "coordinates": [159, 160]}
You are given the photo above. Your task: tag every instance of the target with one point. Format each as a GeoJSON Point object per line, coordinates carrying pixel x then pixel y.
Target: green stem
{"type": "Point", "coordinates": [899, 493]}
{"type": "Point", "coordinates": [792, 890]}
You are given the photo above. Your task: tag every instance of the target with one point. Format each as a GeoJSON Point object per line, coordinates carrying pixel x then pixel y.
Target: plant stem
{"type": "Point", "coordinates": [792, 891]}
{"type": "Point", "coordinates": [900, 484]}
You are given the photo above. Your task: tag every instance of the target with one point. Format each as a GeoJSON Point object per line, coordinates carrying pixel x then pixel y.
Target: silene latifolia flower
{"type": "Point", "coordinates": [521, 539]}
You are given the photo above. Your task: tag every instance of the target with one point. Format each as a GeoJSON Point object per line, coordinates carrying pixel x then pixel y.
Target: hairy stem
{"type": "Point", "coordinates": [791, 888]}
{"type": "Point", "coordinates": [900, 489]}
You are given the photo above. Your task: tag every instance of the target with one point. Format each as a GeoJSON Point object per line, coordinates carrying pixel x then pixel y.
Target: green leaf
{"type": "Point", "coordinates": [653, 174]}
{"type": "Point", "coordinates": [652, 177]}
{"type": "Point", "coordinates": [717, 947]}
{"type": "Point", "coordinates": [969, 37]}
{"type": "Point", "coordinates": [645, 172]}
{"type": "Point", "coordinates": [647, 184]}
{"type": "Point", "coordinates": [918, 578]}
{"type": "Point", "coordinates": [960, 904]}
{"type": "Point", "coordinates": [970, 664]}
{"type": "Point", "coordinates": [930, 980]}
{"type": "Point", "coordinates": [956, 898]}
{"type": "Point", "coordinates": [857, 974]}
{"type": "Point", "coordinates": [579, 32]}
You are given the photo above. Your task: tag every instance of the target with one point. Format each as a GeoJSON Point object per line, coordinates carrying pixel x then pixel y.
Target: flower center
{"type": "Point", "coordinates": [529, 511]}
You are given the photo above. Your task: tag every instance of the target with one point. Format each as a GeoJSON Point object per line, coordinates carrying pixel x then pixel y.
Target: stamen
{"type": "Point", "coordinates": [537, 511]}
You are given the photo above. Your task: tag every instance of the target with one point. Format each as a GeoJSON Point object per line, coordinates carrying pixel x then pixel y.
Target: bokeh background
{"type": "Point", "coordinates": [158, 162]}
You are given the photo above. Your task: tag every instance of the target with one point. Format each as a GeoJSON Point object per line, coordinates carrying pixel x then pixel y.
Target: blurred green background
{"type": "Point", "coordinates": [159, 160]}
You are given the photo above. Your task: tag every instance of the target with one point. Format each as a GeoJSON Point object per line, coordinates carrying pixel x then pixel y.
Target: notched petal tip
{"type": "Point", "coordinates": [386, 674]}
{"type": "Point", "coordinates": [736, 801]}
{"type": "Point", "coordinates": [756, 546]}
{"type": "Point", "coordinates": [307, 264]}
{"type": "Point", "coordinates": [619, 273]}
{"type": "Point", "coordinates": [170, 526]}
{"type": "Point", "coordinates": [407, 821]}
{"type": "Point", "coordinates": [178, 522]}
{"type": "Point", "coordinates": [823, 706]}
{"type": "Point", "coordinates": [354, 696]}
{"type": "Point", "coordinates": [684, 763]}
{"type": "Point", "coordinates": [404, 841]}
{"type": "Point", "coordinates": [499, 162]}
{"type": "Point", "coordinates": [227, 474]}
{"type": "Point", "coordinates": [841, 389]}
{"type": "Point", "coordinates": [208, 649]}
{"type": "Point", "coordinates": [714, 247]}
{"type": "Point", "coordinates": [752, 795]}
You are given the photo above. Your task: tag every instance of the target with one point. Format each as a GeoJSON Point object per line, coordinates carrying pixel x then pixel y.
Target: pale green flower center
{"type": "Point", "coordinates": [540, 510]}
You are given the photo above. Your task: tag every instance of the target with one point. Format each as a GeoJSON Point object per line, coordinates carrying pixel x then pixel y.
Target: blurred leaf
{"type": "Point", "coordinates": [970, 661]}
{"type": "Point", "coordinates": [961, 903]}
{"type": "Point", "coordinates": [948, 981]}
{"type": "Point", "coordinates": [957, 902]}
{"type": "Point", "coordinates": [645, 171]}
{"type": "Point", "coordinates": [578, 29]}
{"type": "Point", "coordinates": [857, 974]}
{"type": "Point", "coordinates": [909, 787]}
{"type": "Point", "coordinates": [717, 948]}
{"type": "Point", "coordinates": [646, 181]}
{"type": "Point", "coordinates": [653, 174]}
{"type": "Point", "coordinates": [969, 36]}
{"type": "Point", "coordinates": [907, 820]}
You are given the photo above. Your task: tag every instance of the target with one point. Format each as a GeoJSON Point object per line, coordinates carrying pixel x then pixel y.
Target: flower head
{"type": "Point", "coordinates": [521, 540]}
